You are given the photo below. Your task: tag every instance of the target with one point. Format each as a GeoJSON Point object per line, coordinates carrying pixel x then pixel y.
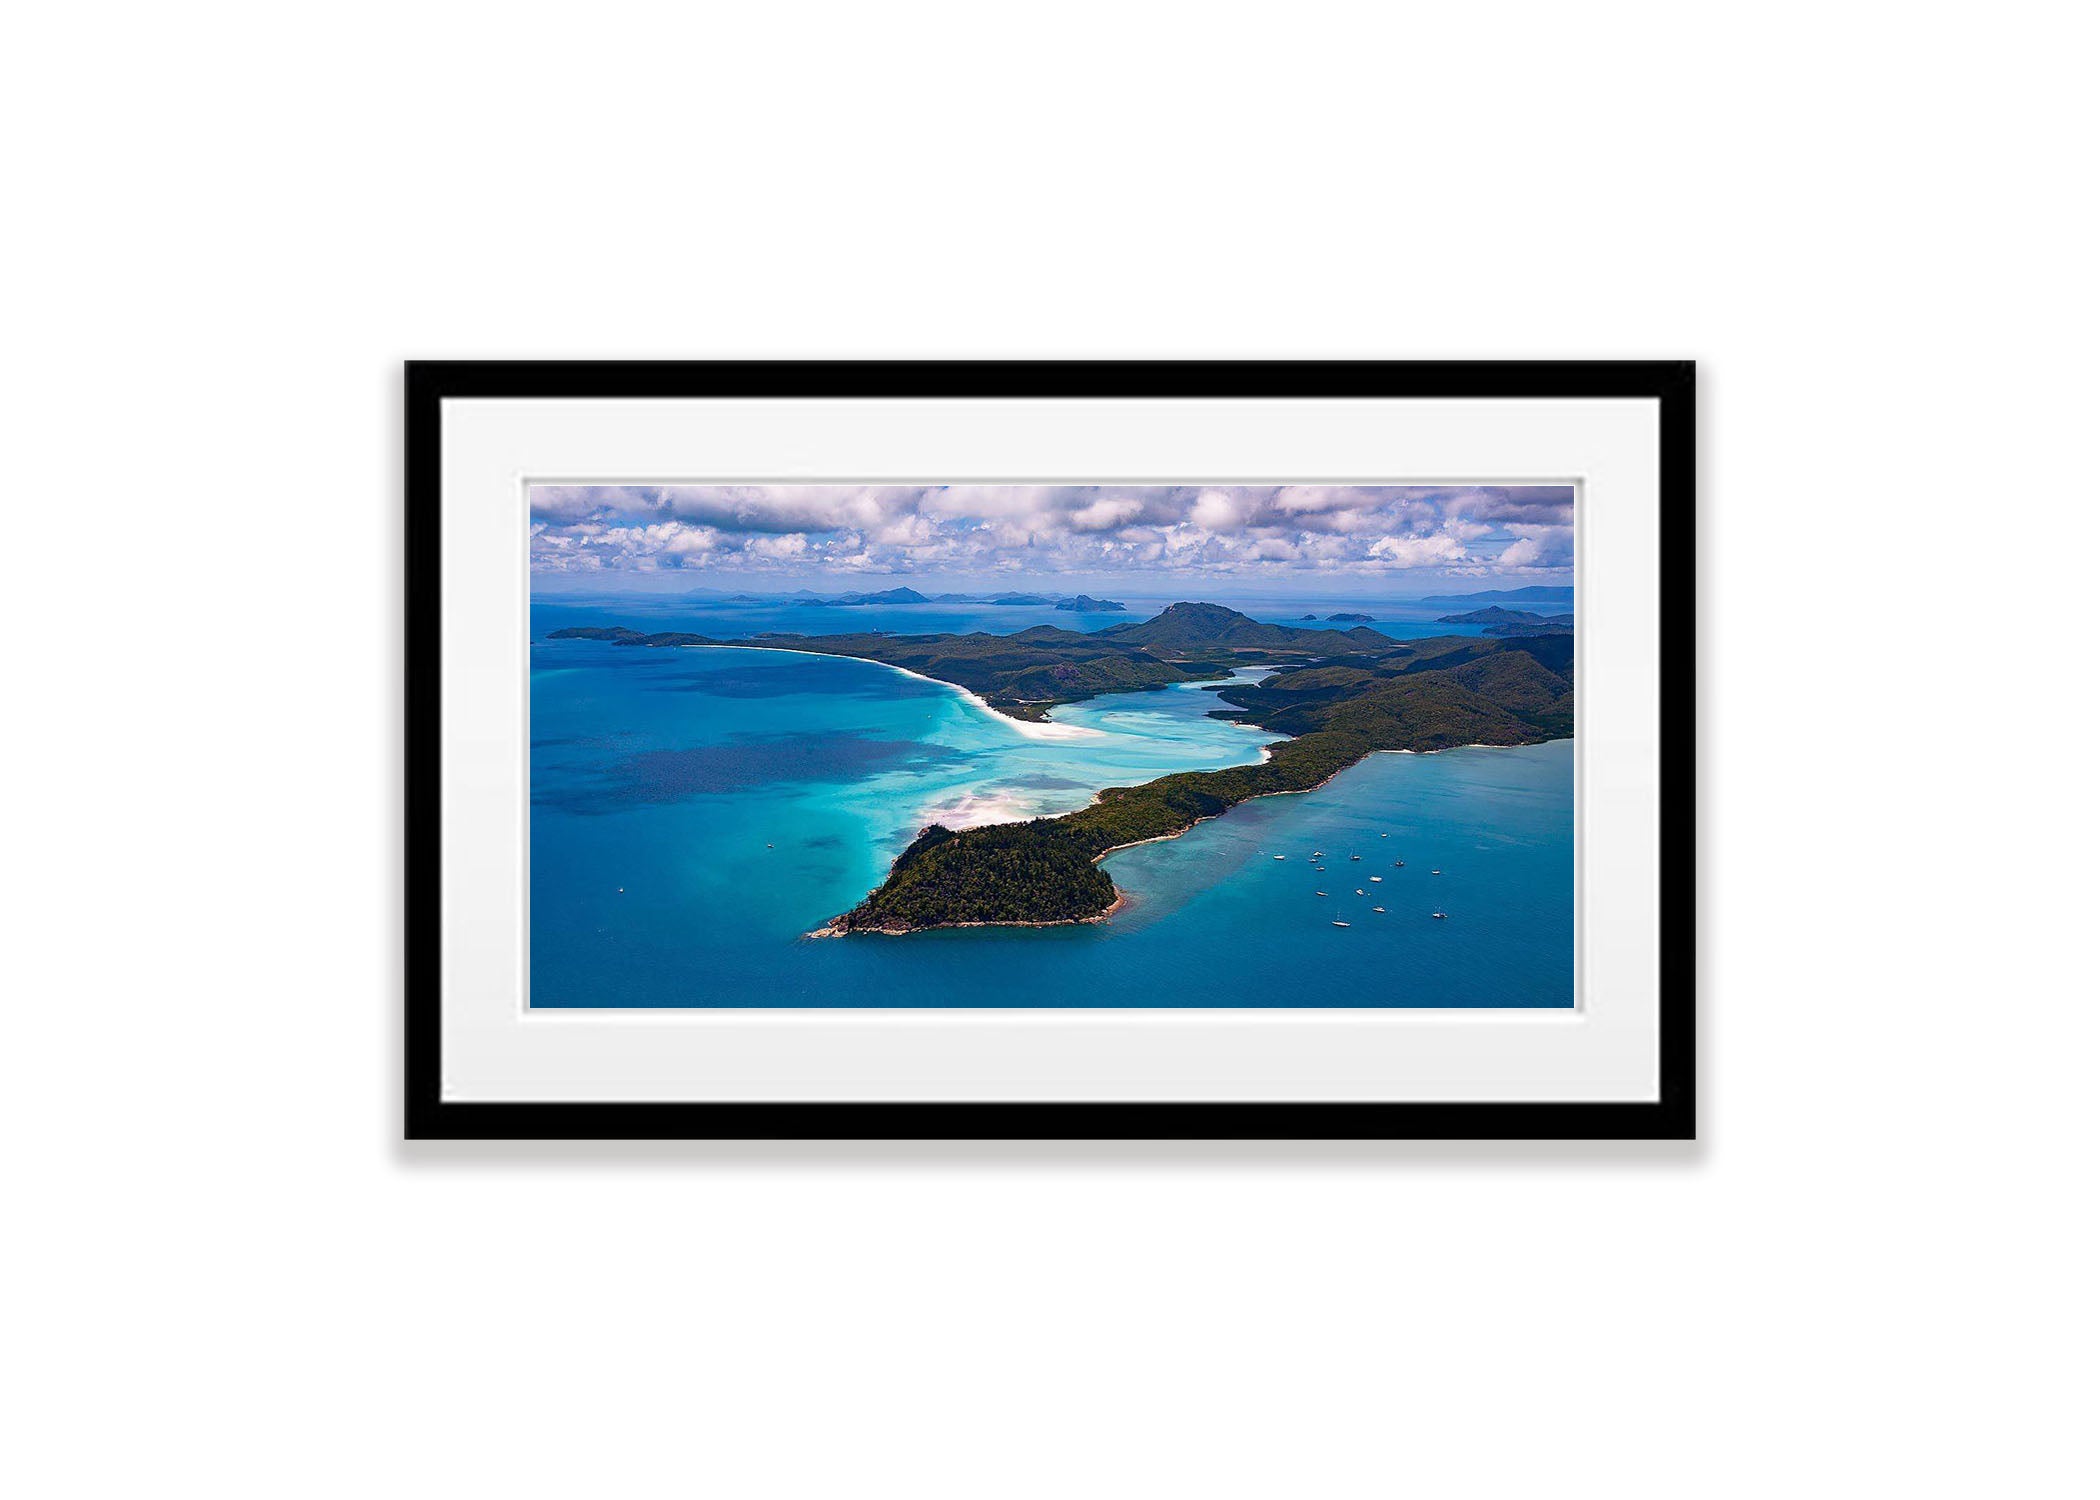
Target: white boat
{"type": "Point", "coordinates": [1438, 915]}
{"type": "Point", "coordinates": [1399, 864]}
{"type": "Point", "coordinates": [1436, 872]}
{"type": "Point", "coordinates": [1359, 890]}
{"type": "Point", "coordinates": [1318, 852]}
{"type": "Point", "coordinates": [1378, 909]}
{"type": "Point", "coordinates": [1338, 922]}
{"type": "Point", "coordinates": [1279, 858]}
{"type": "Point", "coordinates": [1319, 893]}
{"type": "Point", "coordinates": [1385, 835]}
{"type": "Point", "coordinates": [1356, 856]}
{"type": "Point", "coordinates": [1377, 879]}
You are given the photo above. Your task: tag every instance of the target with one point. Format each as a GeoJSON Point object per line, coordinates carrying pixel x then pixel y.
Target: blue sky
{"type": "Point", "coordinates": [1284, 538]}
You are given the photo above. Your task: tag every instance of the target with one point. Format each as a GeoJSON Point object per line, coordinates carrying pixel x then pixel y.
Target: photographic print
{"type": "Point", "coordinates": [1079, 746]}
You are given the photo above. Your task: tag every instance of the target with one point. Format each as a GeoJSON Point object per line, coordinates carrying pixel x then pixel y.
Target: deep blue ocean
{"type": "Point", "coordinates": [696, 811]}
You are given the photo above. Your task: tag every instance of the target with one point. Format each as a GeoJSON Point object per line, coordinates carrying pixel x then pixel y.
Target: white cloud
{"type": "Point", "coordinates": [690, 541]}
{"type": "Point", "coordinates": [899, 529]}
{"type": "Point", "coordinates": [1106, 514]}
{"type": "Point", "coordinates": [794, 544]}
{"type": "Point", "coordinates": [1539, 547]}
{"type": "Point", "coordinates": [1221, 510]}
{"type": "Point", "coordinates": [1416, 551]}
{"type": "Point", "coordinates": [905, 531]}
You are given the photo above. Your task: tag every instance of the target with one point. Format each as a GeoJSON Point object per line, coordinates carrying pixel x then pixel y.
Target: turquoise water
{"type": "Point", "coordinates": [661, 777]}
{"type": "Point", "coordinates": [1498, 823]}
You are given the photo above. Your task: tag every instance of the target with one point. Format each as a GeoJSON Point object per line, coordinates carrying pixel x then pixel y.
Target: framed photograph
{"type": "Point", "coordinates": [1133, 750]}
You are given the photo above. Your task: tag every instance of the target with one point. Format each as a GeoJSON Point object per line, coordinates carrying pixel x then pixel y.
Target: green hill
{"type": "Point", "coordinates": [1180, 627]}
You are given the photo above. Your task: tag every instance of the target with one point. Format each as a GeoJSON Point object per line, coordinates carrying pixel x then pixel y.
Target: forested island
{"type": "Point", "coordinates": [1344, 694]}
{"type": "Point", "coordinates": [1496, 620]}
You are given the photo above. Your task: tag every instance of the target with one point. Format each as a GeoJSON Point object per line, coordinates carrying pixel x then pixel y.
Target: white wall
{"type": "Point", "coordinates": [228, 224]}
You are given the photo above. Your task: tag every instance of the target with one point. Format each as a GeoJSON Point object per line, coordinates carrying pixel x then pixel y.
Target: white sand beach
{"type": "Point", "coordinates": [1026, 728]}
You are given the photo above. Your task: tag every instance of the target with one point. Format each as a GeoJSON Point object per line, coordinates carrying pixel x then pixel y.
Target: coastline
{"type": "Point", "coordinates": [832, 930]}
{"type": "Point", "coordinates": [1002, 845]}
{"type": "Point", "coordinates": [1169, 800]}
{"type": "Point", "coordinates": [1306, 791]}
{"type": "Point", "coordinates": [1034, 729]}
{"type": "Point", "coordinates": [1122, 898]}
{"type": "Point", "coordinates": [1297, 791]}
{"type": "Point", "coordinates": [947, 817]}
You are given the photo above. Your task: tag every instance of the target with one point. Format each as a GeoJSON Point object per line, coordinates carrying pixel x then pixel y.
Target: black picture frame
{"type": "Point", "coordinates": [428, 1116]}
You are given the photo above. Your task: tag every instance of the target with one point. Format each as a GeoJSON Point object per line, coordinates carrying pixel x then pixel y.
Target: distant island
{"type": "Point", "coordinates": [1534, 594]}
{"type": "Point", "coordinates": [1345, 694]}
{"type": "Point", "coordinates": [1496, 620]}
{"type": "Point", "coordinates": [887, 596]}
{"type": "Point", "coordinates": [1088, 604]}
